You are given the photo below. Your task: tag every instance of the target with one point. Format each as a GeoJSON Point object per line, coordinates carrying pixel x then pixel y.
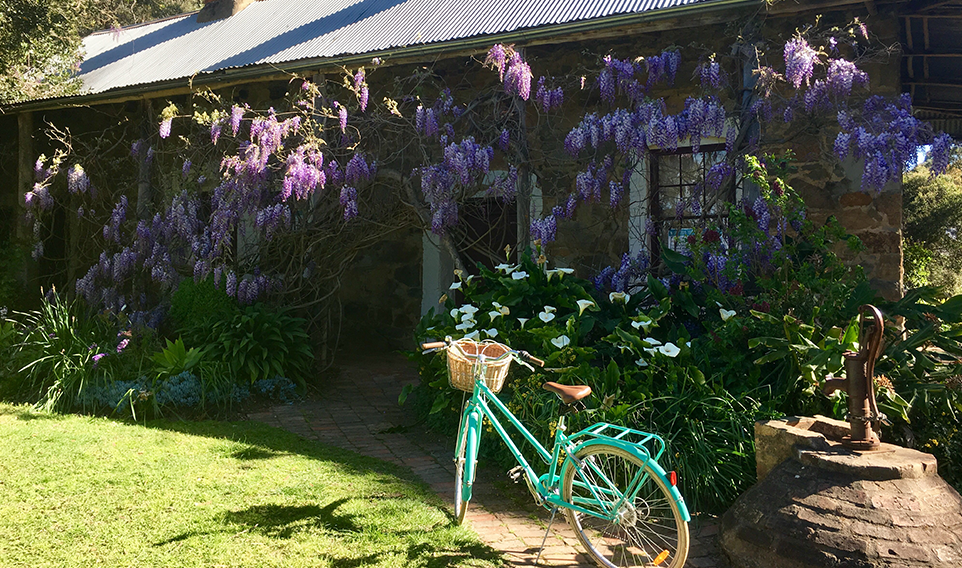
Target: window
{"type": "Point", "coordinates": [678, 201]}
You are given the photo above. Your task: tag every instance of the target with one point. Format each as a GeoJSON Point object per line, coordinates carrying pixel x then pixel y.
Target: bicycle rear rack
{"type": "Point", "coordinates": [652, 444]}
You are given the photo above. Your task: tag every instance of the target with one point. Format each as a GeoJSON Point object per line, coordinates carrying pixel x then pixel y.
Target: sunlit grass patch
{"type": "Point", "coordinates": [81, 491]}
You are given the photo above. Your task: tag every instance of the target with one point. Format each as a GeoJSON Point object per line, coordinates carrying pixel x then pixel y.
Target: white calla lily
{"type": "Point", "coordinates": [726, 314]}
{"type": "Point", "coordinates": [496, 305]}
{"type": "Point", "coordinates": [618, 297]}
{"type": "Point", "coordinates": [566, 270]}
{"type": "Point", "coordinates": [468, 309]}
{"type": "Point", "coordinates": [464, 326]}
{"type": "Point", "coordinates": [491, 332]}
{"type": "Point", "coordinates": [455, 313]}
{"type": "Point", "coordinates": [473, 336]}
{"type": "Point", "coordinates": [523, 321]}
{"type": "Point", "coordinates": [467, 317]}
{"type": "Point", "coordinates": [688, 344]}
{"type": "Point", "coordinates": [652, 341]}
{"type": "Point", "coordinates": [519, 275]}
{"type": "Point", "coordinates": [550, 309]}
{"type": "Point", "coordinates": [505, 310]}
{"type": "Point", "coordinates": [506, 268]}
{"type": "Point", "coordinates": [584, 305]}
{"type": "Point", "coordinates": [650, 350]}
{"type": "Point", "coordinates": [669, 349]}
{"type": "Point", "coordinates": [550, 273]}
{"type": "Point", "coordinates": [641, 363]}
{"type": "Point", "coordinates": [455, 286]}
{"type": "Point", "coordinates": [545, 316]}
{"type": "Point", "coordinates": [561, 341]}
{"type": "Point", "coordinates": [493, 314]}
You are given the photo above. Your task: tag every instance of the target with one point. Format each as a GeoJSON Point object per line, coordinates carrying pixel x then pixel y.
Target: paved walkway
{"type": "Point", "coordinates": [358, 410]}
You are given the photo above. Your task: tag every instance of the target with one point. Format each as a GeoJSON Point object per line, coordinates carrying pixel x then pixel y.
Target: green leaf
{"type": "Point", "coordinates": [656, 288]}
{"type": "Point", "coordinates": [675, 261]}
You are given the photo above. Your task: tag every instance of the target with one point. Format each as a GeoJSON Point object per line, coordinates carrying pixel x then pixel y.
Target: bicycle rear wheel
{"type": "Point", "coordinates": [647, 530]}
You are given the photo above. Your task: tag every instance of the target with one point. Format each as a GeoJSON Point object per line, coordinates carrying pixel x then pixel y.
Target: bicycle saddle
{"type": "Point", "coordinates": [568, 393]}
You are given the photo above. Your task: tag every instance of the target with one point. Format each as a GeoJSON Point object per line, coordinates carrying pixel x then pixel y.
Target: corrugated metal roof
{"type": "Point", "coordinates": [284, 31]}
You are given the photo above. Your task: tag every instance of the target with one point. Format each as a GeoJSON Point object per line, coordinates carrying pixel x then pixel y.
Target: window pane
{"type": "Point", "coordinates": [668, 170]}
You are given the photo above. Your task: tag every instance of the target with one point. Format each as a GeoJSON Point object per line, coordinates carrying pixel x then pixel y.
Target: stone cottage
{"type": "Point", "coordinates": [248, 51]}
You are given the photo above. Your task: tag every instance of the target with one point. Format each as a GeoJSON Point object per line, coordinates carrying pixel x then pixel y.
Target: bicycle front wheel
{"type": "Point", "coordinates": [644, 529]}
{"type": "Point", "coordinates": [460, 503]}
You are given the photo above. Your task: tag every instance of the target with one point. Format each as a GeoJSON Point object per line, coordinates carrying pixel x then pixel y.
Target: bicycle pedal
{"type": "Point", "coordinates": [515, 473]}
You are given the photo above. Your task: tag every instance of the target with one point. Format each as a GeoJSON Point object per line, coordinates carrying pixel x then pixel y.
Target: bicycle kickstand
{"type": "Point", "coordinates": [554, 511]}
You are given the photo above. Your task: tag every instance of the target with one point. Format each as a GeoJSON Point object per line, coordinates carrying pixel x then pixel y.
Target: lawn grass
{"type": "Point", "coordinates": [83, 491]}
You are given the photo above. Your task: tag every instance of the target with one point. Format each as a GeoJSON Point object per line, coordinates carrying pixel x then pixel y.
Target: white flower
{"type": "Point", "coordinates": [468, 309]}
{"type": "Point", "coordinates": [492, 315]}
{"type": "Point", "coordinates": [550, 273]}
{"type": "Point", "coordinates": [550, 309]}
{"type": "Point", "coordinates": [642, 324]}
{"type": "Point", "coordinates": [523, 321]}
{"type": "Point", "coordinates": [641, 363]}
{"type": "Point", "coordinates": [473, 336]}
{"type": "Point", "coordinates": [566, 270]}
{"type": "Point", "coordinates": [491, 332]}
{"type": "Point", "coordinates": [652, 341]}
{"type": "Point", "coordinates": [584, 305]}
{"type": "Point", "coordinates": [560, 341]}
{"type": "Point", "coordinates": [519, 275]}
{"type": "Point", "coordinates": [505, 310]}
{"type": "Point", "coordinates": [618, 296]}
{"type": "Point", "coordinates": [546, 316]}
{"type": "Point", "coordinates": [506, 268]}
{"type": "Point", "coordinates": [650, 350]}
{"type": "Point", "coordinates": [688, 344]}
{"type": "Point", "coordinates": [669, 349]}
{"type": "Point", "coordinates": [726, 314]}
{"type": "Point", "coordinates": [496, 305]}
{"type": "Point", "coordinates": [455, 313]}
{"type": "Point", "coordinates": [464, 326]}
{"type": "Point", "coordinates": [718, 304]}
{"type": "Point", "coordinates": [467, 317]}
{"type": "Point", "coordinates": [455, 286]}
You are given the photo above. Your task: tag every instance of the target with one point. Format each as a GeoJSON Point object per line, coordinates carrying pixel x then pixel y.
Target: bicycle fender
{"type": "Point", "coordinates": [472, 442]}
{"type": "Point", "coordinates": [642, 455]}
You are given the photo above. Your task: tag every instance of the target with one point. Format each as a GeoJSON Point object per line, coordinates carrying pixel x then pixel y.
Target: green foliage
{"type": "Point", "coordinates": [260, 342]}
{"type": "Point", "coordinates": [932, 220]}
{"type": "Point", "coordinates": [176, 358]}
{"type": "Point", "coordinates": [61, 352]}
{"type": "Point", "coordinates": [195, 307]}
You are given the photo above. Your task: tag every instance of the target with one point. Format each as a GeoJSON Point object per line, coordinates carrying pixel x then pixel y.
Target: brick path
{"type": "Point", "coordinates": [358, 411]}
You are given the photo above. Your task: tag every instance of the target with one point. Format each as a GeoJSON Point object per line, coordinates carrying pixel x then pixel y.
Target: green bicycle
{"type": "Point", "coordinates": [624, 508]}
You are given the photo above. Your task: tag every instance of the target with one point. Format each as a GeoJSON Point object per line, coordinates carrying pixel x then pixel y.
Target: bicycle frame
{"type": "Point", "coordinates": [480, 406]}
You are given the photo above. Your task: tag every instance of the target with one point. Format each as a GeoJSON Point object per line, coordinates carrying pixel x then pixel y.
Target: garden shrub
{"type": "Point", "coordinates": [196, 306]}
{"type": "Point", "coordinates": [259, 342]}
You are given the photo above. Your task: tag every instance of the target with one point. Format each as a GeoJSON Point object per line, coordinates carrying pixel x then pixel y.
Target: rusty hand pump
{"type": "Point", "coordinates": [859, 382]}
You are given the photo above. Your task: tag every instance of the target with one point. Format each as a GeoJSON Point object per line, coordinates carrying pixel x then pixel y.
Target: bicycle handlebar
{"type": "Point", "coordinates": [522, 355]}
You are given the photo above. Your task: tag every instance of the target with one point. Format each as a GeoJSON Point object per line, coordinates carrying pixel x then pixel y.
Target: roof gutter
{"type": "Point", "coordinates": [420, 52]}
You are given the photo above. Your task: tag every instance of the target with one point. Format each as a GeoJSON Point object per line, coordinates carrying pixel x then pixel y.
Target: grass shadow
{"type": "Point", "coordinates": [280, 521]}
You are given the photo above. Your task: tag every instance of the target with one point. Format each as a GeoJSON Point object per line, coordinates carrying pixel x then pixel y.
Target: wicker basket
{"type": "Point", "coordinates": [462, 356]}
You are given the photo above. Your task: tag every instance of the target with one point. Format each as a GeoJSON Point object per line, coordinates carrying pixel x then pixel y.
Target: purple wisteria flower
{"type": "Point", "coordinates": [497, 56]}
{"type": "Point", "coordinates": [348, 201]}
{"type": "Point", "coordinates": [122, 345]}
{"type": "Point", "coordinates": [77, 180]}
{"type": "Point", "coordinates": [504, 140]}
{"type": "Point", "coordinates": [799, 61]}
{"type": "Point", "coordinates": [517, 78]}
{"type": "Point", "coordinates": [96, 358]}
{"type": "Point", "coordinates": [185, 170]}
{"type": "Point", "coordinates": [236, 115]}
{"type": "Point", "coordinates": [165, 127]}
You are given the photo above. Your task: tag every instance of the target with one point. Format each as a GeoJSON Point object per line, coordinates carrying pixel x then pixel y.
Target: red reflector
{"type": "Point", "coordinates": [673, 478]}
